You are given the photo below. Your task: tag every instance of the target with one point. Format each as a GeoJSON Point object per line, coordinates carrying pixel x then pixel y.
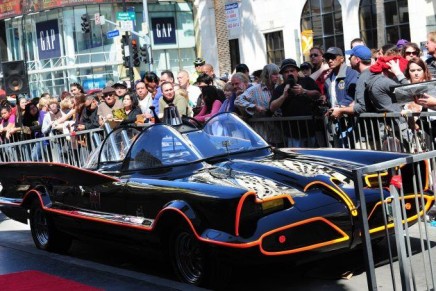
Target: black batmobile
{"type": "Point", "coordinates": [206, 196]}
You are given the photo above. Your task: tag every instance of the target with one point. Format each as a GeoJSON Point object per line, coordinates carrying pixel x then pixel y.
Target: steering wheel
{"type": "Point", "coordinates": [189, 121]}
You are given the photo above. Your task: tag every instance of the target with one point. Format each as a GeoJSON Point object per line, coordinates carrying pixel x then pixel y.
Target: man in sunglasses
{"type": "Point", "coordinates": [319, 67]}
{"type": "Point", "coordinates": [110, 103]}
{"type": "Point", "coordinates": [339, 88]}
{"type": "Point", "coordinates": [198, 64]}
{"type": "Point", "coordinates": [360, 60]}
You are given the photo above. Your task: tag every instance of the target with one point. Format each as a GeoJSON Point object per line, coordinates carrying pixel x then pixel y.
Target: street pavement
{"type": "Point", "coordinates": [109, 268]}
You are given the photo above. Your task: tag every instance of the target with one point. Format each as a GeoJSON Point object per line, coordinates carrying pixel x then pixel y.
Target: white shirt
{"type": "Point", "coordinates": [145, 103]}
{"type": "Point", "coordinates": [193, 93]}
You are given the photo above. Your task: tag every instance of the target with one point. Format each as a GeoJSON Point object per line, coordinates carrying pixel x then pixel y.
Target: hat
{"type": "Point", "coordinates": [288, 63]}
{"type": "Point", "coordinates": [108, 90]}
{"type": "Point", "coordinates": [306, 65]}
{"type": "Point", "coordinates": [382, 64]}
{"type": "Point", "coordinates": [92, 97]}
{"type": "Point", "coordinates": [333, 51]}
{"type": "Point", "coordinates": [401, 43]}
{"type": "Point", "coordinates": [199, 62]}
{"type": "Point", "coordinates": [360, 51]}
{"type": "Point", "coordinates": [120, 84]}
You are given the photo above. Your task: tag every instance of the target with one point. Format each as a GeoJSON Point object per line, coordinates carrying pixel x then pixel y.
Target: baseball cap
{"type": "Point", "coordinates": [360, 51]}
{"type": "Point", "coordinates": [401, 43]}
{"type": "Point", "coordinates": [306, 65]}
{"type": "Point", "coordinates": [288, 63]}
{"type": "Point", "coordinates": [333, 51]}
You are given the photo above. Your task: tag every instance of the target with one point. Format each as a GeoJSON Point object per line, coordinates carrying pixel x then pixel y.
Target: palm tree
{"type": "Point", "coordinates": [381, 32]}
{"type": "Point", "coordinates": [222, 37]}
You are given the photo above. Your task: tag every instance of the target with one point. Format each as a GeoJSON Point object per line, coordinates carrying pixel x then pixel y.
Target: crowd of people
{"type": "Point", "coordinates": [324, 86]}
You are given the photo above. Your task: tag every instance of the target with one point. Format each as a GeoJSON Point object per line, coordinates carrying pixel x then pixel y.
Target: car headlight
{"type": "Point", "coordinates": [251, 209]}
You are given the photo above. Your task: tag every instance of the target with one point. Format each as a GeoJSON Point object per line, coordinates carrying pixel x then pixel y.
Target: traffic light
{"type": "Point", "coordinates": [125, 50]}
{"type": "Point", "coordinates": [135, 55]}
{"type": "Point", "coordinates": [144, 54]}
{"type": "Point", "coordinates": [86, 25]}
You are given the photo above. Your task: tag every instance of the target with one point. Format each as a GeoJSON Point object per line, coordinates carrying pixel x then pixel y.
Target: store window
{"type": "Point", "coordinates": [275, 49]}
{"type": "Point", "coordinates": [324, 18]}
{"type": "Point", "coordinates": [396, 21]}
{"type": "Point", "coordinates": [235, 57]}
{"type": "Point", "coordinates": [172, 36]}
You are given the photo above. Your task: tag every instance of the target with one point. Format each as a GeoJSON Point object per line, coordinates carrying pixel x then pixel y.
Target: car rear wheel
{"type": "Point", "coordinates": [44, 233]}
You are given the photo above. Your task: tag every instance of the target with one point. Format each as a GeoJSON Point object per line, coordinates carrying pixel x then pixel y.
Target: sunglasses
{"type": "Point", "coordinates": [314, 55]}
{"type": "Point", "coordinates": [330, 57]}
{"type": "Point", "coordinates": [415, 53]}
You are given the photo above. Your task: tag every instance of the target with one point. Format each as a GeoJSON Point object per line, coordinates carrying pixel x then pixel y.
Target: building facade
{"type": "Point", "coordinates": [262, 32]}
{"type": "Point", "coordinates": [48, 36]}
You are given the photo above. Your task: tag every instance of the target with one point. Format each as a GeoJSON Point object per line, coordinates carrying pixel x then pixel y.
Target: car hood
{"type": "Point", "coordinates": [291, 171]}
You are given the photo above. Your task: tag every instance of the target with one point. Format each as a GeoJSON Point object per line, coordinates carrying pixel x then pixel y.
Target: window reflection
{"type": "Point", "coordinates": [325, 19]}
{"type": "Point", "coordinates": [396, 21]}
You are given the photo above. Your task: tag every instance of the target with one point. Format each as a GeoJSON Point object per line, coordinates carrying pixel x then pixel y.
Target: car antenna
{"type": "Point", "coordinates": [226, 144]}
{"type": "Point", "coordinates": [156, 117]}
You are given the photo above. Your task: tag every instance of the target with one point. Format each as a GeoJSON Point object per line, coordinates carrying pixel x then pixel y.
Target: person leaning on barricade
{"type": "Point", "coordinates": [297, 96]}
{"type": "Point", "coordinates": [254, 102]}
{"type": "Point", "coordinates": [386, 74]}
{"type": "Point", "coordinates": [7, 123]}
{"type": "Point", "coordinates": [360, 60]}
{"type": "Point", "coordinates": [130, 111]}
{"type": "Point", "coordinates": [339, 89]}
{"type": "Point", "coordinates": [417, 72]}
{"type": "Point", "coordinates": [110, 103]}
{"type": "Point", "coordinates": [89, 118]}
{"type": "Point", "coordinates": [52, 123]}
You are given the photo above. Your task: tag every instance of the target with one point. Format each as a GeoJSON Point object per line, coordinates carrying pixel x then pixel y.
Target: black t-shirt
{"type": "Point", "coordinates": [297, 105]}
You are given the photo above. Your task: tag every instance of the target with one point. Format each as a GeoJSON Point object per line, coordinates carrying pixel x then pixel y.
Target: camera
{"type": "Point", "coordinates": [290, 81]}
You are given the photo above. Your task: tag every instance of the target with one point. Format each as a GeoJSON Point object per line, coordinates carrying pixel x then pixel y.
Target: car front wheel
{"type": "Point", "coordinates": [44, 233]}
{"type": "Point", "coordinates": [187, 257]}
{"type": "Point", "coordinates": [194, 263]}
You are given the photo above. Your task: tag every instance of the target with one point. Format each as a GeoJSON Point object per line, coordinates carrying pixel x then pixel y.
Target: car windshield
{"type": "Point", "coordinates": [115, 147]}
{"type": "Point", "coordinates": [158, 146]}
{"type": "Point", "coordinates": [225, 134]}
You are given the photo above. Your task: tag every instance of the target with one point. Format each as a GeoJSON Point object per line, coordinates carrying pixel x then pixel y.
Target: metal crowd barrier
{"type": "Point", "coordinates": [72, 149]}
{"type": "Point", "coordinates": [408, 250]}
{"type": "Point", "coordinates": [412, 133]}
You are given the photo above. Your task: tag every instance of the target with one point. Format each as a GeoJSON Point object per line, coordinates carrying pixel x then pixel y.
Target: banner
{"type": "Point", "coordinates": [164, 30]}
{"type": "Point", "coordinates": [306, 41]}
{"type": "Point", "coordinates": [9, 8]}
{"type": "Point", "coordinates": [232, 16]}
{"type": "Point", "coordinates": [49, 45]}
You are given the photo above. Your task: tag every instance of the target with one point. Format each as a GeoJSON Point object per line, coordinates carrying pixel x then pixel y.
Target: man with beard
{"type": "Point", "coordinates": [296, 97]}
